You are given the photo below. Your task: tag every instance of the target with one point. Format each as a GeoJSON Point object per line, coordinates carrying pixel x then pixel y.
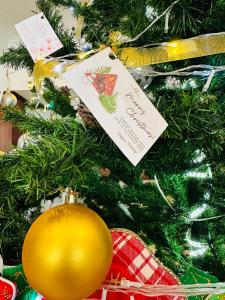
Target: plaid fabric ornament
{"type": "Point", "coordinates": [134, 262]}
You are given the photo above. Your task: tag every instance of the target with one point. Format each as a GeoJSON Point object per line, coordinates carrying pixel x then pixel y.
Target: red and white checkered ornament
{"type": "Point", "coordinates": [133, 262]}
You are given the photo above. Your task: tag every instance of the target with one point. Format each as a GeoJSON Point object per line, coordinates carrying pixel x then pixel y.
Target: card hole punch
{"type": "Point", "coordinates": [42, 17]}
{"type": "Point", "coordinates": [112, 56]}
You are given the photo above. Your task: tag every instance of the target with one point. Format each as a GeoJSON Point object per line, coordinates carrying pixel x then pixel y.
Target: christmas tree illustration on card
{"type": "Point", "coordinates": [104, 83]}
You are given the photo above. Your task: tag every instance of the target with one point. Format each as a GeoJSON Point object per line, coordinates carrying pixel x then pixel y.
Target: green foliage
{"type": "Point", "coordinates": [57, 158]}
{"type": "Point", "coordinates": [195, 276]}
{"type": "Point", "coordinates": [17, 58]}
{"type": "Point", "coordinates": [187, 18]}
{"type": "Point", "coordinates": [16, 274]}
{"type": "Point", "coordinates": [68, 155]}
{"type": "Point", "coordinates": [55, 18]}
{"type": "Point", "coordinates": [60, 98]}
{"type": "Point", "coordinates": [103, 70]}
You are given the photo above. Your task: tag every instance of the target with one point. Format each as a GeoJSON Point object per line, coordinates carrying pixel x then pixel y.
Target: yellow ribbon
{"type": "Point", "coordinates": [42, 70]}
{"type": "Point", "coordinates": [203, 45]}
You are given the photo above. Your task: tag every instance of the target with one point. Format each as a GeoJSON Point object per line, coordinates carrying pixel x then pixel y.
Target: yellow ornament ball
{"type": "Point", "coordinates": [67, 253]}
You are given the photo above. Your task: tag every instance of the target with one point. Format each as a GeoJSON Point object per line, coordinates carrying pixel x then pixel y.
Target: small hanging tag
{"type": "Point", "coordinates": [38, 36]}
{"type": "Point", "coordinates": [118, 103]}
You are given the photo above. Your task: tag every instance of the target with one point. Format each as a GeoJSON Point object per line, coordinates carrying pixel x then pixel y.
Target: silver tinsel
{"type": "Point", "coordinates": [25, 140]}
{"type": "Point", "coordinates": [142, 76]}
{"type": "Point", "coordinates": [189, 84]}
{"type": "Point", "coordinates": [84, 45]}
{"type": "Point", "coordinates": [46, 114]}
{"type": "Point", "coordinates": [172, 83]}
{"type": "Point", "coordinates": [151, 13]}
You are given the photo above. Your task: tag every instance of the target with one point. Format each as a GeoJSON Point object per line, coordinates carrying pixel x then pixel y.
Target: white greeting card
{"type": "Point", "coordinates": [38, 36]}
{"type": "Point", "coordinates": [118, 103]}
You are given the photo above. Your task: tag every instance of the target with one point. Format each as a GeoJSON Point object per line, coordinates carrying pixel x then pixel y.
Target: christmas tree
{"type": "Point", "coordinates": [174, 198]}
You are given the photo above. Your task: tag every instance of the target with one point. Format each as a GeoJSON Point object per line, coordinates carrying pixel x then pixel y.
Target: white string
{"type": "Point", "coordinates": [209, 80]}
{"type": "Point", "coordinates": [187, 71]}
{"type": "Point", "coordinates": [207, 219]}
{"type": "Point", "coordinates": [104, 294]}
{"type": "Point", "coordinates": [171, 290]}
{"type": "Point", "coordinates": [161, 192]}
{"type": "Point", "coordinates": [153, 22]}
{"type": "Point", "coordinates": [167, 22]}
{"type": "Point", "coordinates": [182, 72]}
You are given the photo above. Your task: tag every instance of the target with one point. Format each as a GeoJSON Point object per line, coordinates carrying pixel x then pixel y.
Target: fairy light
{"type": "Point", "coordinates": [199, 252]}
{"type": "Point", "coordinates": [197, 248]}
{"type": "Point", "coordinates": [206, 196]}
{"type": "Point", "coordinates": [180, 47]}
{"type": "Point", "coordinates": [172, 48]}
{"type": "Point", "coordinates": [199, 174]}
{"type": "Point", "coordinates": [172, 44]}
{"type": "Point", "coordinates": [59, 68]}
{"type": "Point", "coordinates": [196, 244]}
{"type": "Point", "coordinates": [200, 156]}
{"type": "Point", "coordinates": [72, 8]}
{"type": "Point", "coordinates": [197, 212]}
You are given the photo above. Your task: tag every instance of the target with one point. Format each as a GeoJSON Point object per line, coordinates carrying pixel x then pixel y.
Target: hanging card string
{"type": "Point", "coordinates": [161, 192]}
{"type": "Point", "coordinates": [167, 22]}
{"type": "Point", "coordinates": [104, 294]}
{"type": "Point", "coordinates": [153, 22]}
{"type": "Point", "coordinates": [209, 80]}
{"type": "Point", "coordinates": [169, 290]}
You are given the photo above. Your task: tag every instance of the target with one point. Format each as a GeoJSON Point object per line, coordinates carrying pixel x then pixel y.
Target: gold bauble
{"type": "Point", "coordinates": [8, 99]}
{"type": "Point", "coordinates": [67, 253]}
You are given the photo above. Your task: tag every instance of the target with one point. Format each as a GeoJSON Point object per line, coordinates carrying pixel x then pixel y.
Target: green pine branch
{"type": "Point", "coordinates": [17, 58]}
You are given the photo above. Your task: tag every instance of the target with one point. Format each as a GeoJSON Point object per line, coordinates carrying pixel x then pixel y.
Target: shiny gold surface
{"type": "Point", "coordinates": [67, 253]}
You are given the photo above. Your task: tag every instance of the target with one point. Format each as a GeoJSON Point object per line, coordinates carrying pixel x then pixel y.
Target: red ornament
{"type": "Point", "coordinates": [7, 289]}
{"type": "Point", "coordinates": [103, 83]}
{"type": "Point", "coordinates": [134, 262]}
